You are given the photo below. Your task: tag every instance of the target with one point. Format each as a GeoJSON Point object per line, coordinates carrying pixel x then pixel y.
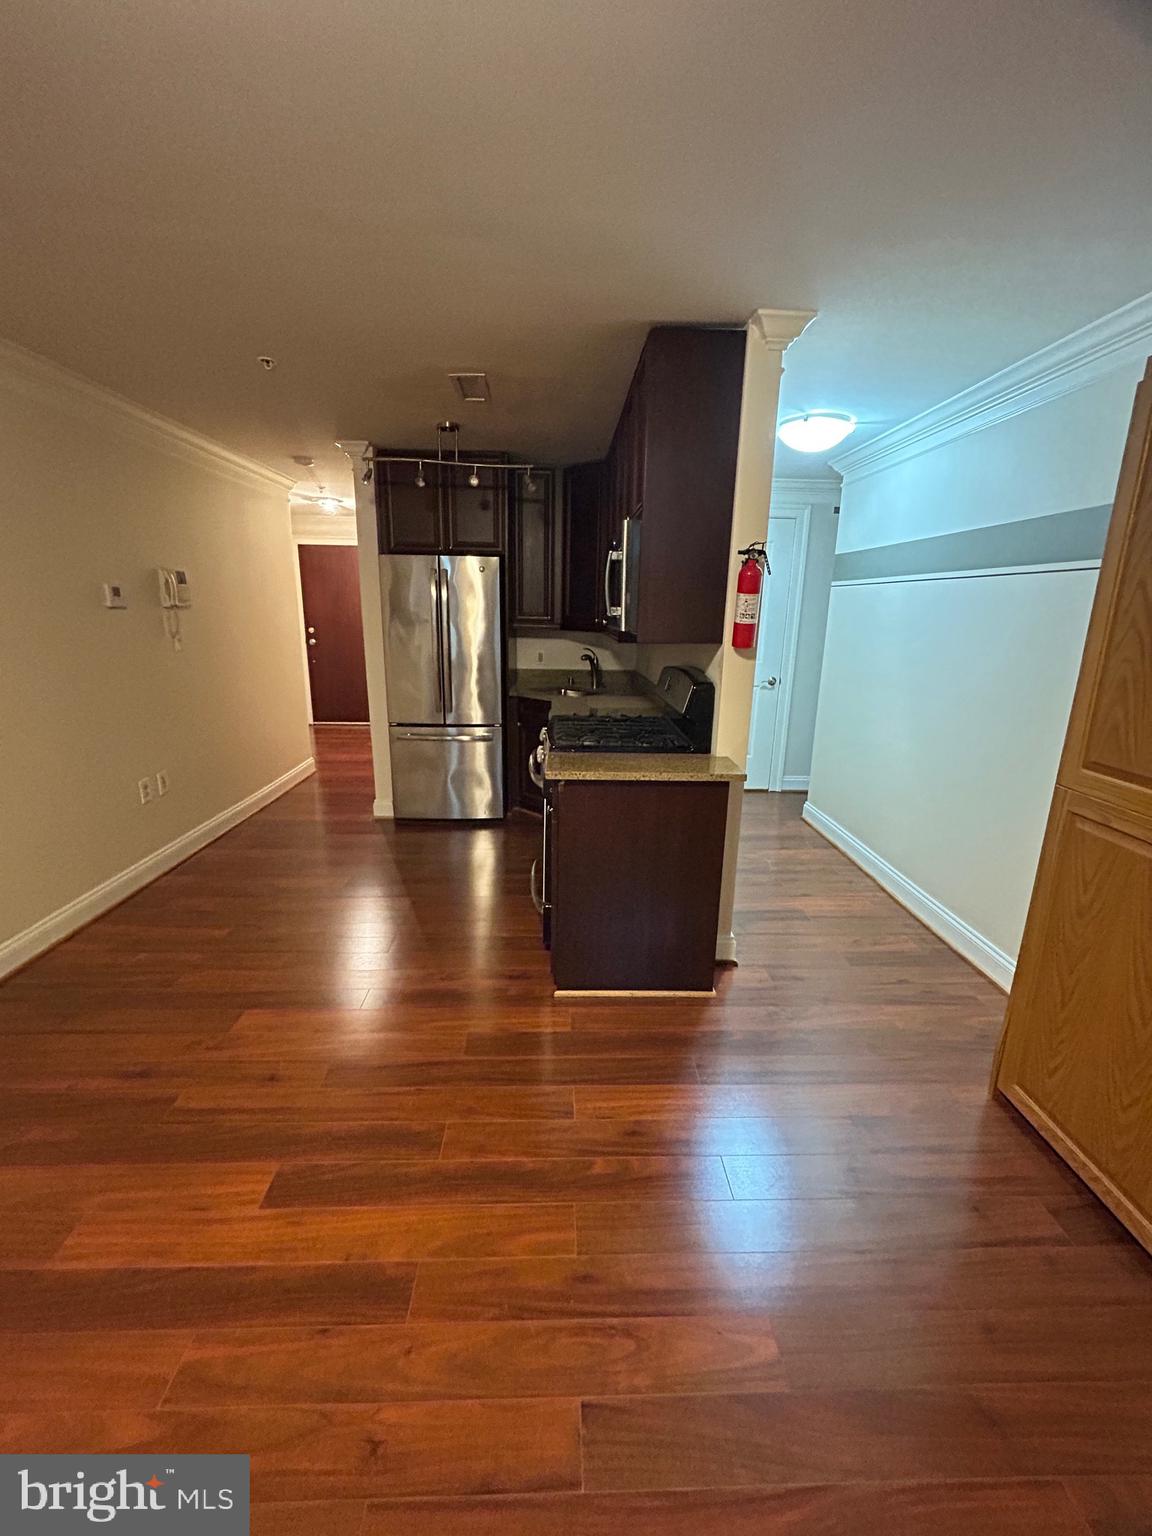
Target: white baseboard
{"type": "Point", "coordinates": [794, 781]}
{"type": "Point", "coordinates": [726, 948]}
{"type": "Point", "coordinates": [383, 810]}
{"type": "Point", "coordinates": [994, 962]}
{"type": "Point", "coordinates": [25, 946]}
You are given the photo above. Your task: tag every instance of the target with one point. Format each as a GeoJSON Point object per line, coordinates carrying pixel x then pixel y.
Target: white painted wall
{"type": "Point", "coordinates": [943, 703]}
{"type": "Point", "coordinates": [92, 699]}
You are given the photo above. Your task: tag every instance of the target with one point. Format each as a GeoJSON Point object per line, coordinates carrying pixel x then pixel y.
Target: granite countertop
{"type": "Point", "coordinates": [640, 767]}
{"type": "Point", "coordinates": [621, 693]}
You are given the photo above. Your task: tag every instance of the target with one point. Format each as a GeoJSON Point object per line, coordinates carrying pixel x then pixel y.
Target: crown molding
{"type": "Point", "coordinates": [779, 328]}
{"type": "Point", "coordinates": [35, 377]}
{"type": "Point", "coordinates": [806, 488]}
{"type": "Point", "coordinates": [1086, 355]}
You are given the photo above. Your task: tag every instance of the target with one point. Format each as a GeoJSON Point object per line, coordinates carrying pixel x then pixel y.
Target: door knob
{"type": "Point", "coordinates": [311, 642]}
{"type": "Point", "coordinates": [311, 629]}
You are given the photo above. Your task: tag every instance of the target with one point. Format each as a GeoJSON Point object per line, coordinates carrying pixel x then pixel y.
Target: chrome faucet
{"type": "Point", "coordinates": [594, 668]}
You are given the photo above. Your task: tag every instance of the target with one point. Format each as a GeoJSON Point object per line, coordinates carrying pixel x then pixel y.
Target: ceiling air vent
{"type": "Point", "coordinates": [472, 387]}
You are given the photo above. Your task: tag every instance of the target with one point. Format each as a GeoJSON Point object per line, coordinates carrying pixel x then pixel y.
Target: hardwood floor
{"type": "Point", "coordinates": [299, 1157]}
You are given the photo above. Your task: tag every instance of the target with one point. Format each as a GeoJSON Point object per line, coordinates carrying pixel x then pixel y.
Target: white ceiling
{"type": "Point", "coordinates": [375, 192]}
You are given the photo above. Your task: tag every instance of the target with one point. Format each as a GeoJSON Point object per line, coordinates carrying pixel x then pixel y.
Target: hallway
{"type": "Point", "coordinates": [300, 1158]}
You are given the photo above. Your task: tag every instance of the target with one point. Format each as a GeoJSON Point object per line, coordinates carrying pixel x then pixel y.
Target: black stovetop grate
{"type": "Point", "coordinates": [616, 733]}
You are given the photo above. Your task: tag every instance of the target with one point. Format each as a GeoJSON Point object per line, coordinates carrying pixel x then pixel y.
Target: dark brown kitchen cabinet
{"type": "Point", "coordinates": [672, 466]}
{"type": "Point", "coordinates": [409, 514]}
{"type": "Point", "coordinates": [445, 514]}
{"type": "Point", "coordinates": [473, 516]}
{"type": "Point", "coordinates": [536, 549]}
{"type": "Point", "coordinates": [632, 884]}
{"type": "Point", "coordinates": [531, 716]}
{"type": "Point", "coordinates": [585, 546]}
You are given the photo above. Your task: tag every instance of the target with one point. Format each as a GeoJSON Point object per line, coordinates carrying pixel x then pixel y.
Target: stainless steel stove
{"type": "Point", "coordinates": [685, 726]}
{"type": "Point", "coordinates": [616, 733]}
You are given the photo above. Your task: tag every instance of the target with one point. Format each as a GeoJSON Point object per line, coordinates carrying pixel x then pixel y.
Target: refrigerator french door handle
{"type": "Point", "coordinates": [448, 693]}
{"type": "Point", "coordinates": [438, 631]}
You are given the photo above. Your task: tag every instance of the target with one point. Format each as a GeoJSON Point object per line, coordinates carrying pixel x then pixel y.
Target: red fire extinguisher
{"type": "Point", "coordinates": [749, 584]}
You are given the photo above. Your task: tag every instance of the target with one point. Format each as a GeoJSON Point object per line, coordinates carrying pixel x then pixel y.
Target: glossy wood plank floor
{"type": "Point", "coordinates": [299, 1157]}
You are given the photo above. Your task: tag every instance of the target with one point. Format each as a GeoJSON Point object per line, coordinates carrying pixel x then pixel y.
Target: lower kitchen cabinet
{"type": "Point", "coordinates": [633, 875]}
{"type": "Point", "coordinates": [530, 717]}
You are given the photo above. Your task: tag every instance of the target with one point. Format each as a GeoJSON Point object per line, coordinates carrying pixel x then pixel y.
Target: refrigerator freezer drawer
{"type": "Point", "coordinates": [447, 773]}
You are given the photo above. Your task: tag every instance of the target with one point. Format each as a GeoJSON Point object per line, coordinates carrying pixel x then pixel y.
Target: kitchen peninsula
{"type": "Point", "coordinates": [633, 863]}
{"type": "Point", "coordinates": [636, 812]}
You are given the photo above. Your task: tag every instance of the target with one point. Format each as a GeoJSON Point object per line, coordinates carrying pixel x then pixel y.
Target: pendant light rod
{"type": "Point", "coordinates": [373, 457]}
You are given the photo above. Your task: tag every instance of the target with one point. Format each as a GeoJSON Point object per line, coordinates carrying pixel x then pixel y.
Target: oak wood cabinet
{"type": "Point", "coordinates": [1076, 1056]}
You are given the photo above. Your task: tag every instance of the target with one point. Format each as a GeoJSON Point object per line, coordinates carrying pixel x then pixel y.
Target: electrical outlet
{"type": "Point", "coordinates": [145, 789]}
{"type": "Point", "coordinates": [162, 782]}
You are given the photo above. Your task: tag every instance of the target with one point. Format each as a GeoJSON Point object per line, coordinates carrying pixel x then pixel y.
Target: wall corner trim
{"type": "Point", "coordinates": [1119, 338]}
{"type": "Point", "coordinates": [726, 949]}
{"type": "Point", "coordinates": [816, 490]}
{"type": "Point", "coordinates": [383, 810]}
{"type": "Point", "coordinates": [25, 946]}
{"type": "Point", "coordinates": [779, 328]}
{"type": "Point", "coordinates": [961, 936]}
{"type": "Point", "coordinates": [29, 374]}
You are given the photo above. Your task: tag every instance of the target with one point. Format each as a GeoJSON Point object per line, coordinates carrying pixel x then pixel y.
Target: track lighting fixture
{"type": "Point", "coordinates": [420, 480]}
{"type": "Point", "coordinates": [474, 477]}
{"type": "Point", "coordinates": [529, 483]}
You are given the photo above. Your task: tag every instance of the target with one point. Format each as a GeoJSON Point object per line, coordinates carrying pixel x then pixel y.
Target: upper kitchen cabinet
{"type": "Point", "coordinates": [446, 514]}
{"type": "Point", "coordinates": [473, 515]}
{"type": "Point", "coordinates": [535, 549]}
{"type": "Point", "coordinates": [669, 484]}
{"type": "Point", "coordinates": [409, 514]}
{"type": "Point", "coordinates": [585, 546]}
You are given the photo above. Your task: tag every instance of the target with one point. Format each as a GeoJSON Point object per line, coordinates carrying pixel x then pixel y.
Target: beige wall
{"type": "Point", "coordinates": [92, 699]}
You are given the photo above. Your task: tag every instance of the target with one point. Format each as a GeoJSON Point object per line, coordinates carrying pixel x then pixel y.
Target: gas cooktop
{"type": "Point", "coordinates": [616, 733]}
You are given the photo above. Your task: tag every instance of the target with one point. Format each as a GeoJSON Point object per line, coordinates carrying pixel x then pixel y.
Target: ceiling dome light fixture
{"type": "Point", "coordinates": [816, 431]}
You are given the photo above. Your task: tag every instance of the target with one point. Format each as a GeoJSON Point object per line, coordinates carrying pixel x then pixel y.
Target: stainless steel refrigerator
{"type": "Point", "coordinates": [442, 657]}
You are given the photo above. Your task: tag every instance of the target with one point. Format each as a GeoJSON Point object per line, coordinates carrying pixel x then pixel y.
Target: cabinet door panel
{"type": "Point", "coordinates": [1086, 1061]}
{"type": "Point", "coordinates": [537, 552]}
{"type": "Point", "coordinates": [474, 514]}
{"type": "Point", "coordinates": [409, 514]}
{"type": "Point", "coordinates": [1109, 748]}
{"type": "Point", "coordinates": [585, 546]}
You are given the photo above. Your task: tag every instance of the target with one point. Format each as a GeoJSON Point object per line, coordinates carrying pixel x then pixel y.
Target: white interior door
{"type": "Point", "coordinates": [768, 692]}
